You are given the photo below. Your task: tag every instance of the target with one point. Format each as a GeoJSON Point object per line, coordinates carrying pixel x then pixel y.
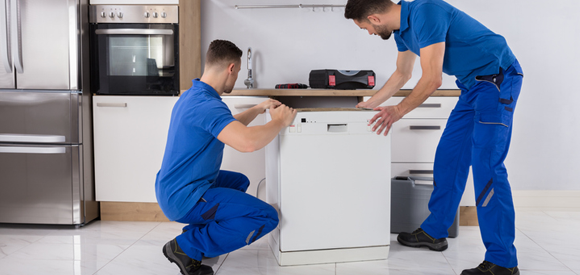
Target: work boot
{"type": "Point", "coordinates": [420, 238]}
{"type": "Point", "coordinates": [487, 268]}
{"type": "Point", "coordinates": [187, 265]}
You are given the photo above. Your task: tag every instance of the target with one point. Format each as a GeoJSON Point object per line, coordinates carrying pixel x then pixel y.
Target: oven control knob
{"type": "Point", "coordinates": [103, 14]}
{"type": "Point", "coordinates": [163, 15]}
{"type": "Point", "coordinates": [112, 15]}
{"type": "Point", "coordinates": [146, 14]}
{"type": "Point", "coordinates": [154, 14]}
{"type": "Point", "coordinates": [120, 15]}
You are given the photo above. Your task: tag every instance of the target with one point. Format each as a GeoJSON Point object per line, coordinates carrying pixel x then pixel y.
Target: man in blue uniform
{"type": "Point", "coordinates": [191, 189]}
{"type": "Point", "coordinates": [479, 129]}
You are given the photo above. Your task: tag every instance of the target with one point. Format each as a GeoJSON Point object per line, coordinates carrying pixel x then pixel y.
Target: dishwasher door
{"type": "Point", "coordinates": [40, 184]}
{"type": "Point", "coordinates": [334, 182]}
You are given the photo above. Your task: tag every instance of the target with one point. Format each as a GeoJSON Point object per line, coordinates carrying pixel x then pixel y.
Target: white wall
{"type": "Point", "coordinates": [545, 152]}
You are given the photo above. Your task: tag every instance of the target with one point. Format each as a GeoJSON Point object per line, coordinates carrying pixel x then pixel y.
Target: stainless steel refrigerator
{"type": "Point", "coordinates": [46, 163]}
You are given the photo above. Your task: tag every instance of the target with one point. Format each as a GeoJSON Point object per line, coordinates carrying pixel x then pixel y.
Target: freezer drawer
{"type": "Point", "coordinates": [39, 185]}
{"type": "Point", "coordinates": [40, 117]}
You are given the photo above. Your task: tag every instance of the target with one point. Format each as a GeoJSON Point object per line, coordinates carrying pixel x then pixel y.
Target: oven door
{"type": "Point", "coordinates": [135, 59]}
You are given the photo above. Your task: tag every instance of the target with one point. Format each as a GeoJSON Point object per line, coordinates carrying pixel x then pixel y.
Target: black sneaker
{"type": "Point", "coordinates": [419, 238]}
{"type": "Point", "coordinates": [489, 268]}
{"type": "Point", "coordinates": [187, 265]}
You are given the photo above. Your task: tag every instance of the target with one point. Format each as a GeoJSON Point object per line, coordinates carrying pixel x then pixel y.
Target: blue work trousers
{"type": "Point", "coordinates": [478, 133]}
{"type": "Point", "coordinates": [225, 219]}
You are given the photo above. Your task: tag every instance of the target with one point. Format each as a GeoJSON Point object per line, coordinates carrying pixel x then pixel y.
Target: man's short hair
{"type": "Point", "coordinates": [359, 10]}
{"type": "Point", "coordinates": [222, 52]}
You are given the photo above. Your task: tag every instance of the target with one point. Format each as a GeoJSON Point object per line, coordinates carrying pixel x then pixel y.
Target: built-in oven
{"type": "Point", "coordinates": [134, 50]}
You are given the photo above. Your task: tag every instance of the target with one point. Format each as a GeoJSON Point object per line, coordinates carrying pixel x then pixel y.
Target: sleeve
{"type": "Point", "coordinates": [400, 44]}
{"type": "Point", "coordinates": [431, 24]}
{"type": "Point", "coordinates": [217, 117]}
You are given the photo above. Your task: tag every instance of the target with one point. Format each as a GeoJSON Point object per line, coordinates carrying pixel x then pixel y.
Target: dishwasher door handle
{"type": "Point", "coordinates": [337, 128]}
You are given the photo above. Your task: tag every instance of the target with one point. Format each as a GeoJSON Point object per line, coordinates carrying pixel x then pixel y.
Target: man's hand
{"type": "Point", "coordinates": [267, 104]}
{"type": "Point", "coordinates": [366, 104]}
{"type": "Point", "coordinates": [283, 114]}
{"type": "Point", "coordinates": [385, 118]}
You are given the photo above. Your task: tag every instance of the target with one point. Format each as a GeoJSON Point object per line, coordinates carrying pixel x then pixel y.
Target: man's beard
{"type": "Point", "coordinates": [383, 31]}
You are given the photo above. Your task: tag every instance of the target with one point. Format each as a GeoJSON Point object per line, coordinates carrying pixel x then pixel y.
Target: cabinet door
{"type": "Point", "coordinates": [416, 140]}
{"type": "Point", "coordinates": [130, 135]}
{"type": "Point", "coordinates": [253, 164]}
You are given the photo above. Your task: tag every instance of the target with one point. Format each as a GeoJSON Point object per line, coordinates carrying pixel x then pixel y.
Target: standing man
{"type": "Point", "coordinates": [479, 129]}
{"type": "Point", "coordinates": [191, 189]}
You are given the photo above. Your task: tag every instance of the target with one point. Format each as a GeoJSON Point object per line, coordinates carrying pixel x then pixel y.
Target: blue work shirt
{"type": "Point", "coordinates": [193, 154]}
{"type": "Point", "coordinates": [471, 49]}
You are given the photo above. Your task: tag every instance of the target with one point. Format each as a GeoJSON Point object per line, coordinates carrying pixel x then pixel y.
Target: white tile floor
{"type": "Point", "coordinates": [547, 240]}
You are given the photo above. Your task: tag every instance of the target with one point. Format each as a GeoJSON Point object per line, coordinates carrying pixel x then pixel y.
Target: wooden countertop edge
{"type": "Point", "coordinates": [310, 92]}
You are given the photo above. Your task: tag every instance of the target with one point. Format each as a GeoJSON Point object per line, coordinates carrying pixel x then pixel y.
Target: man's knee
{"type": "Point", "coordinates": [272, 218]}
{"type": "Point", "coordinates": [245, 182]}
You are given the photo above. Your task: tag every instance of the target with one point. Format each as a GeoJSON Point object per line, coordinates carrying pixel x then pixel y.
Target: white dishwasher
{"type": "Point", "coordinates": [329, 177]}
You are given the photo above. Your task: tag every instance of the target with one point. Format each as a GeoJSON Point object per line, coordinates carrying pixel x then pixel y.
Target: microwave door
{"type": "Point", "coordinates": [6, 67]}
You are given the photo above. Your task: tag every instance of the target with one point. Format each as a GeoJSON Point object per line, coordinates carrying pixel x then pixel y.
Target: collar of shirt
{"type": "Point", "coordinates": [404, 16]}
{"type": "Point", "coordinates": [201, 86]}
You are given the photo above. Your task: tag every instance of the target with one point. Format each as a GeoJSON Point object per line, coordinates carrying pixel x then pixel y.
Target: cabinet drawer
{"type": "Point", "coordinates": [415, 140]}
{"type": "Point", "coordinates": [433, 107]}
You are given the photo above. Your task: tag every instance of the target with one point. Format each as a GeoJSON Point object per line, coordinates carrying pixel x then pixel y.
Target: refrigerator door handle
{"type": "Point", "coordinates": [73, 46]}
{"type": "Point", "coordinates": [16, 31]}
{"type": "Point", "coordinates": [32, 138]}
{"type": "Point", "coordinates": [33, 150]}
{"type": "Point", "coordinates": [5, 35]}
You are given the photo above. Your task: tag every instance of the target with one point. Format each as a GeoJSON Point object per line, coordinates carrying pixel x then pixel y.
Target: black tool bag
{"type": "Point", "coordinates": [342, 79]}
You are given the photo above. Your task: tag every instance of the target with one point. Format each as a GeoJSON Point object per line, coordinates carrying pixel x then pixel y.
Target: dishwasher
{"type": "Point", "coordinates": [329, 177]}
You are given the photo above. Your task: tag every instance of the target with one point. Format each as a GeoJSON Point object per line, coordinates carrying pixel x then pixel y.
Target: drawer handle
{"type": "Point", "coordinates": [120, 105]}
{"type": "Point", "coordinates": [430, 105]}
{"type": "Point", "coordinates": [244, 106]}
{"type": "Point", "coordinates": [415, 172]}
{"type": "Point", "coordinates": [437, 127]}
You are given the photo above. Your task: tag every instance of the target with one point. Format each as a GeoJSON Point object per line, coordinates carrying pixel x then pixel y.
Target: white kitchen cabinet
{"type": "Point", "coordinates": [415, 138]}
{"type": "Point", "coordinates": [130, 133]}
{"type": "Point", "coordinates": [250, 164]}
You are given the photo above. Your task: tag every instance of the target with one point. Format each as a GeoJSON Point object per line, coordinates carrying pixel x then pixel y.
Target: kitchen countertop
{"type": "Point", "coordinates": [322, 92]}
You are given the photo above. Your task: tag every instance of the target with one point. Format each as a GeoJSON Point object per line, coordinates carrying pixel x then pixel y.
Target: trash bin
{"type": "Point", "coordinates": [409, 205]}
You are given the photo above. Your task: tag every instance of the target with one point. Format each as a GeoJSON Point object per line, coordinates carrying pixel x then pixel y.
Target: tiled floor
{"type": "Point", "coordinates": [547, 240]}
